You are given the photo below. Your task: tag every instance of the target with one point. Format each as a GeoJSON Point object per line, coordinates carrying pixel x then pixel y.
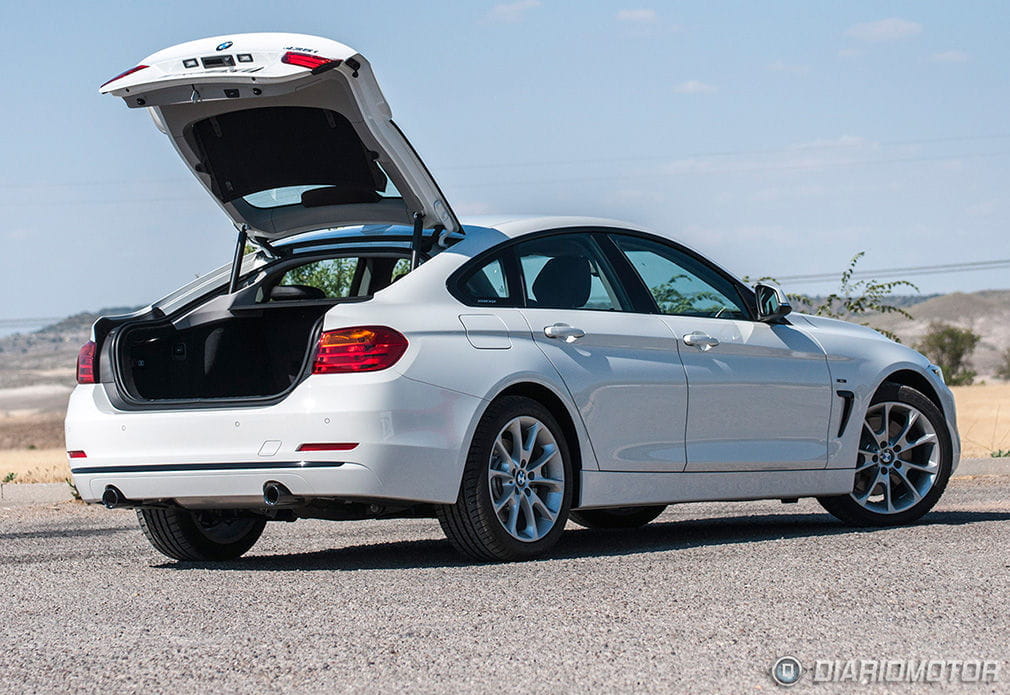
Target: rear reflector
{"type": "Point", "coordinates": [76, 454]}
{"type": "Point", "coordinates": [358, 349]}
{"type": "Point", "coordinates": [307, 60]}
{"type": "Point", "coordinates": [324, 446]}
{"type": "Point", "coordinates": [124, 74]}
{"type": "Point", "coordinates": [86, 372]}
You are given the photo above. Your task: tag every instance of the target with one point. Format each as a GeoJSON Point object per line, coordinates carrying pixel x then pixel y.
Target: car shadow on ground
{"type": "Point", "coordinates": [579, 543]}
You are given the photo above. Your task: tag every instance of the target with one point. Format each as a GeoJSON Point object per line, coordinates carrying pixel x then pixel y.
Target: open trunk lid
{"type": "Point", "coordinates": [288, 132]}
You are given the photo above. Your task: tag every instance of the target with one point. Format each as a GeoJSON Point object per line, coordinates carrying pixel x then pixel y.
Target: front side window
{"type": "Point", "coordinates": [680, 284]}
{"type": "Point", "coordinates": [567, 271]}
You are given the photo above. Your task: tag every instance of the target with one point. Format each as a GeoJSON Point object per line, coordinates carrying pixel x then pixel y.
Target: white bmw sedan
{"type": "Point", "coordinates": [367, 355]}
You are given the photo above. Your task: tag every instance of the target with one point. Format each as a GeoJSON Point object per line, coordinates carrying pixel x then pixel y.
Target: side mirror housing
{"type": "Point", "coordinates": [772, 303]}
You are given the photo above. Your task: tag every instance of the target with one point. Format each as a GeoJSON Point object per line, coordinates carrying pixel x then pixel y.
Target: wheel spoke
{"type": "Point", "coordinates": [530, 440]}
{"type": "Point", "coordinates": [862, 499]}
{"type": "Point", "coordinates": [545, 511]}
{"type": "Point", "coordinates": [549, 452]}
{"type": "Point", "coordinates": [503, 453]}
{"type": "Point", "coordinates": [516, 430]}
{"type": "Point", "coordinates": [866, 465]}
{"type": "Point", "coordinates": [929, 467]}
{"type": "Point", "coordinates": [513, 518]}
{"type": "Point", "coordinates": [908, 483]}
{"type": "Point", "coordinates": [506, 497]}
{"type": "Point", "coordinates": [888, 494]}
{"type": "Point", "coordinates": [902, 439]}
{"type": "Point", "coordinates": [499, 475]}
{"type": "Point", "coordinates": [927, 438]}
{"type": "Point", "coordinates": [550, 482]}
{"type": "Point", "coordinates": [531, 523]}
{"type": "Point", "coordinates": [885, 423]}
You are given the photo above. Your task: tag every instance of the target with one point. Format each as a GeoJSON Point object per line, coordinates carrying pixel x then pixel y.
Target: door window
{"type": "Point", "coordinates": [680, 284]}
{"type": "Point", "coordinates": [567, 271]}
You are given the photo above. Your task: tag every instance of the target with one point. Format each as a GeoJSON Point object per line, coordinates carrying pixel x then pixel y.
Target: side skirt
{"type": "Point", "coordinates": [617, 489]}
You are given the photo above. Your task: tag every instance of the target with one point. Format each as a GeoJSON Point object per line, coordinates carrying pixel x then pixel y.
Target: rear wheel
{"type": "Point", "coordinates": [517, 485]}
{"type": "Point", "coordinates": [903, 464]}
{"type": "Point", "coordinates": [203, 535]}
{"type": "Point", "coordinates": [619, 517]}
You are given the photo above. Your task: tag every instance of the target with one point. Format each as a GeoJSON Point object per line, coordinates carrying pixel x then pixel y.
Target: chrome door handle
{"type": "Point", "coordinates": [700, 340]}
{"type": "Point", "coordinates": [564, 332]}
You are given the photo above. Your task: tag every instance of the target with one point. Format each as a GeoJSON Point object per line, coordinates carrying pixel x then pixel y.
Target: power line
{"type": "Point", "coordinates": [909, 271]}
{"type": "Point", "coordinates": [796, 149]}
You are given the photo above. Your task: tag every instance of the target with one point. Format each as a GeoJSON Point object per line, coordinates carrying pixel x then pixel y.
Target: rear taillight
{"type": "Point", "coordinates": [359, 349]}
{"type": "Point", "coordinates": [124, 74]}
{"type": "Point", "coordinates": [86, 372]}
{"type": "Point", "coordinates": [307, 60]}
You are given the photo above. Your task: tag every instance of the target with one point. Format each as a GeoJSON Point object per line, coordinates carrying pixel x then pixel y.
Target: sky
{"type": "Point", "coordinates": [778, 138]}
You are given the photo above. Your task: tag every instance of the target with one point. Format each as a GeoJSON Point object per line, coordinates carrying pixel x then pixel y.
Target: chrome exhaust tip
{"type": "Point", "coordinates": [277, 495]}
{"type": "Point", "coordinates": [113, 498]}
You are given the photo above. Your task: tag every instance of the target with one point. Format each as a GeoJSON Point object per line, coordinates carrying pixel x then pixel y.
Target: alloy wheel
{"type": "Point", "coordinates": [526, 476]}
{"type": "Point", "coordinates": [899, 458]}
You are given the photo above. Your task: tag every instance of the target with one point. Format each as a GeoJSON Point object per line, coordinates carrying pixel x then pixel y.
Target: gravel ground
{"type": "Point", "coordinates": [702, 600]}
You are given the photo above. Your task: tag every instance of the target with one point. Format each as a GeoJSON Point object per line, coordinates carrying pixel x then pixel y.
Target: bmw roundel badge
{"type": "Point", "coordinates": [222, 46]}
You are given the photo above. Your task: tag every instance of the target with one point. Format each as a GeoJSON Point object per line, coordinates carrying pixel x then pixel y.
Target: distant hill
{"type": "Point", "coordinates": [37, 370]}
{"type": "Point", "coordinates": [47, 356]}
{"type": "Point", "coordinates": [986, 313]}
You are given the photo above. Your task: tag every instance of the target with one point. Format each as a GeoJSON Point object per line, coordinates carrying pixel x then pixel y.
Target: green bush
{"type": "Point", "coordinates": [950, 348]}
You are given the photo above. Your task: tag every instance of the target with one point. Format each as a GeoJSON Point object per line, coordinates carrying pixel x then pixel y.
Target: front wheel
{"type": "Point", "coordinates": [903, 464]}
{"type": "Point", "coordinates": [517, 484]}
{"type": "Point", "coordinates": [202, 535]}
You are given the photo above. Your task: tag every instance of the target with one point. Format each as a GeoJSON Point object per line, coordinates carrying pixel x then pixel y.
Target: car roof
{"type": "Point", "coordinates": [518, 225]}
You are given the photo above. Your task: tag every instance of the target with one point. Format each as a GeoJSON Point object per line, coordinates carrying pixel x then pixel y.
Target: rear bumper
{"type": "Point", "coordinates": [409, 444]}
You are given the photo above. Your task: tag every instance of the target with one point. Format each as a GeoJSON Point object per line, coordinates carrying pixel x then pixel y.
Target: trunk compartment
{"type": "Point", "coordinates": [252, 354]}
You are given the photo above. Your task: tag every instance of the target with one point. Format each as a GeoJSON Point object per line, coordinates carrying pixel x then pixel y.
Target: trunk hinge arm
{"type": "Point", "coordinates": [236, 264]}
{"type": "Point", "coordinates": [415, 241]}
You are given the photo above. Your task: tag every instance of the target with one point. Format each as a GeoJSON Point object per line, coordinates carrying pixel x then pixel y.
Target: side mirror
{"type": "Point", "coordinates": [772, 303]}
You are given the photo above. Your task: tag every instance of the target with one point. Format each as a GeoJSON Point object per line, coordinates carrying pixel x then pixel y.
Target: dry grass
{"type": "Point", "coordinates": [983, 418]}
{"type": "Point", "coordinates": [35, 465]}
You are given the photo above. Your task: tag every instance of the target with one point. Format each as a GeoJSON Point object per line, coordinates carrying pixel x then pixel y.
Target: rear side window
{"type": "Point", "coordinates": [487, 284]}
{"type": "Point", "coordinates": [567, 271]}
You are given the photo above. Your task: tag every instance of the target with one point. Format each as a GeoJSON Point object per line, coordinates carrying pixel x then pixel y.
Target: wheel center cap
{"type": "Point", "coordinates": [521, 477]}
{"type": "Point", "coordinates": [886, 456]}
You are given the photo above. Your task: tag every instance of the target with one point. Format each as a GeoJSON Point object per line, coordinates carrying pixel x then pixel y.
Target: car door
{"type": "Point", "coordinates": [759, 393]}
{"type": "Point", "coordinates": [622, 369]}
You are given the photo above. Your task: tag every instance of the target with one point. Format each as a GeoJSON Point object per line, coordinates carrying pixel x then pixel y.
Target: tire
{"type": "Point", "coordinates": [901, 470]}
{"type": "Point", "coordinates": [531, 485]}
{"type": "Point", "coordinates": [207, 536]}
{"type": "Point", "coordinates": [619, 517]}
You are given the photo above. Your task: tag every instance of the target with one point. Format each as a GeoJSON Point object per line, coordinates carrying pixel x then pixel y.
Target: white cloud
{"type": "Point", "coordinates": [781, 66]}
{"type": "Point", "coordinates": [891, 29]}
{"type": "Point", "coordinates": [642, 16]}
{"type": "Point", "coordinates": [694, 87]}
{"type": "Point", "coordinates": [849, 53]}
{"type": "Point", "coordinates": [950, 57]}
{"type": "Point", "coordinates": [512, 12]}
